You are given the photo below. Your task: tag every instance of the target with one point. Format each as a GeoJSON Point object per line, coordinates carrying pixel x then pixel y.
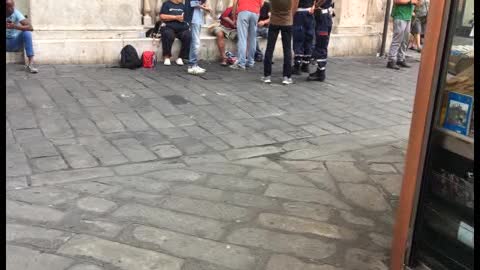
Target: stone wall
{"type": "Point", "coordinates": [22, 5]}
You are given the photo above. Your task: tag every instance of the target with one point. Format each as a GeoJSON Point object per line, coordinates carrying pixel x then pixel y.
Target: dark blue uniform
{"type": "Point", "coordinates": [323, 28]}
{"type": "Point", "coordinates": [303, 32]}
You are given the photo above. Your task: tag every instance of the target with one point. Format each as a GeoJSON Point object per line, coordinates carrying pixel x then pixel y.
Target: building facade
{"type": "Point", "coordinates": [74, 32]}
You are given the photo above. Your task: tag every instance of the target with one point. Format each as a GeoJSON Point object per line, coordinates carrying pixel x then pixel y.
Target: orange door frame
{"type": "Point", "coordinates": [427, 83]}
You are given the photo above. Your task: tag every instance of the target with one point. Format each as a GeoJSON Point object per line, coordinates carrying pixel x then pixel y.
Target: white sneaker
{"type": "Point", "coordinates": [196, 70]}
{"type": "Point", "coordinates": [267, 79]}
{"type": "Point", "coordinates": [179, 61]}
{"type": "Point", "coordinates": [167, 62]}
{"type": "Point", "coordinates": [31, 69]}
{"type": "Point", "coordinates": [287, 81]}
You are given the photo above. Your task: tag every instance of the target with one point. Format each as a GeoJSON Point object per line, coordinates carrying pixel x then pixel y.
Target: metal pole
{"type": "Point", "coordinates": [385, 27]}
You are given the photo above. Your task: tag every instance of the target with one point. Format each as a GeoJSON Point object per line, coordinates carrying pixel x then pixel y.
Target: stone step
{"type": "Point", "coordinates": [15, 58]}
{"type": "Point", "coordinates": [107, 50]}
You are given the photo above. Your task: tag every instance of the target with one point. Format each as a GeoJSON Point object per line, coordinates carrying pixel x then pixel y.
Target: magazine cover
{"type": "Point", "coordinates": [459, 108]}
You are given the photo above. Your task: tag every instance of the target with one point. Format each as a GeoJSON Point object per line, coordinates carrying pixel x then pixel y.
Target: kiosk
{"type": "Point", "coordinates": [434, 226]}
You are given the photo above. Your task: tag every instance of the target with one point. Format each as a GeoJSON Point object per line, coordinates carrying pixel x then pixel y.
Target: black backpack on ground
{"type": "Point", "coordinates": [129, 58]}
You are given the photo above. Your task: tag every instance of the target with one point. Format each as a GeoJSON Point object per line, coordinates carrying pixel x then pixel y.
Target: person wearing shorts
{"type": "Point", "coordinates": [415, 31]}
{"type": "Point", "coordinates": [226, 30]}
{"type": "Point", "coordinates": [419, 22]}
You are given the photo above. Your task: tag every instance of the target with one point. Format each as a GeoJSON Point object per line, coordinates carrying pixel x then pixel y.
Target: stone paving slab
{"type": "Point", "coordinates": [111, 169]}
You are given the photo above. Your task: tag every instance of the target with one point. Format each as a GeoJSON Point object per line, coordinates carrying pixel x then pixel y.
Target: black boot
{"type": "Point", "coordinates": [318, 75]}
{"type": "Point", "coordinates": [392, 65]}
{"type": "Point", "coordinates": [297, 61]}
{"type": "Point", "coordinates": [296, 70]}
{"type": "Point", "coordinates": [306, 60]}
{"type": "Point", "coordinates": [402, 64]}
{"type": "Point", "coordinates": [305, 67]}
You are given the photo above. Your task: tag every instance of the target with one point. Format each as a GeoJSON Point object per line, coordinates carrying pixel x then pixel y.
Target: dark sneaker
{"type": "Point", "coordinates": [305, 68]}
{"type": "Point", "coordinates": [392, 65]}
{"type": "Point", "coordinates": [296, 70]}
{"type": "Point", "coordinates": [402, 64]}
{"type": "Point", "coordinates": [318, 75]}
{"type": "Point", "coordinates": [258, 57]}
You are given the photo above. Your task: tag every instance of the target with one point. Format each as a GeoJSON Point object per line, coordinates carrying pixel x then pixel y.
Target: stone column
{"type": "Point", "coordinates": [23, 6]}
{"type": "Point", "coordinates": [147, 19]}
{"type": "Point", "coordinates": [351, 16]}
{"type": "Point", "coordinates": [358, 26]}
{"type": "Point", "coordinates": [219, 6]}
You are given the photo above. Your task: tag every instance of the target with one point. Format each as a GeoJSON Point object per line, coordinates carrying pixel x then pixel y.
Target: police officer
{"type": "Point", "coordinates": [323, 27]}
{"type": "Point", "coordinates": [303, 31]}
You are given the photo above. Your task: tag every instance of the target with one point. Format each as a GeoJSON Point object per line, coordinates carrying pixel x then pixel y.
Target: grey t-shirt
{"type": "Point", "coordinates": [422, 9]}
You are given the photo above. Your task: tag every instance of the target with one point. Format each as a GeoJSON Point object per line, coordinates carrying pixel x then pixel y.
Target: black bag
{"type": "Point", "coordinates": [154, 32]}
{"type": "Point", "coordinates": [129, 58]}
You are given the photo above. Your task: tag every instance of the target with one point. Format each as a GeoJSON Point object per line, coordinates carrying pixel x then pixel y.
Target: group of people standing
{"type": "Point", "coordinates": [305, 21]}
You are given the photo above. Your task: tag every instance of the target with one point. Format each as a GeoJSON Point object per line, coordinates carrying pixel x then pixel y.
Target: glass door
{"type": "Point", "coordinates": [444, 225]}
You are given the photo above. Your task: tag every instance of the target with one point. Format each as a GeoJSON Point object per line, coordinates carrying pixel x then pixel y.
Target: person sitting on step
{"type": "Point", "coordinates": [226, 30]}
{"type": "Point", "coordinates": [174, 26]}
{"type": "Point", "coordinates": [19, 34]}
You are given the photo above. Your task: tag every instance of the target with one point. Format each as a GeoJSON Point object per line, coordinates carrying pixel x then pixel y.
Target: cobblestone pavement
{"type": "Point", "coordinates": [142, 170]}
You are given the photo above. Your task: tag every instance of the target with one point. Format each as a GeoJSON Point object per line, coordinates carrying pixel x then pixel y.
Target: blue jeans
{"type": "Point", "coordinates": [261, 32]}
{"type": "Point", "coordinates": [247, 31]}
{"type": "Point", "coordinates": [23, 40]}
{"type": "Point", "coordinates": [194, 45]}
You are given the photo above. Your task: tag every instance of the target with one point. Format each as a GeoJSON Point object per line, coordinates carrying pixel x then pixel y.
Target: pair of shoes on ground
{"type": "Point", "coordinates": [167, 62]}
{"type": "Point", "coordinates": [397, 65]}
{"type": "Point", "coordinates": [297, 69]}
{"type": "Point", "coordinates": [240, 67]}
{"type": "Point", "coordinates": [318, 76]}
{"type": "Point", "coordinates": [236, 66]}
{"type": "Point", "coordinates": [285, 81]}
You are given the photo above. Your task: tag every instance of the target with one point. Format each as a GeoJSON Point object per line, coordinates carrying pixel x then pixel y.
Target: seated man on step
{"type": "Point", "coordinates": [19, 34]}
{"type": "Point", "coordinates": [226, 30]}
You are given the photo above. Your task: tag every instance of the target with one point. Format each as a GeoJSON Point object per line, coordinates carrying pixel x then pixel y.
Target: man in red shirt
{"type": "Point", "coordinates": [246, 14]}
{"type": "Point", "coordinates": [227, 29]}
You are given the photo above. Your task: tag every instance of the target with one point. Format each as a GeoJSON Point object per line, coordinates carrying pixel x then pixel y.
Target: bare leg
{"type": "Point", "coordinates": [410, 43]}
{"type": "Point", "coordinates": [417, 41]}
{"type": "Point", "coordinates": [30, 60]}
{"type": "Point", "coordinates": [221, 45]}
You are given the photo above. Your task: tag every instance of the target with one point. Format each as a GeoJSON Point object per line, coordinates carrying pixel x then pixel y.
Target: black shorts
{"type": "Point", "coordinates": [416, 27]}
